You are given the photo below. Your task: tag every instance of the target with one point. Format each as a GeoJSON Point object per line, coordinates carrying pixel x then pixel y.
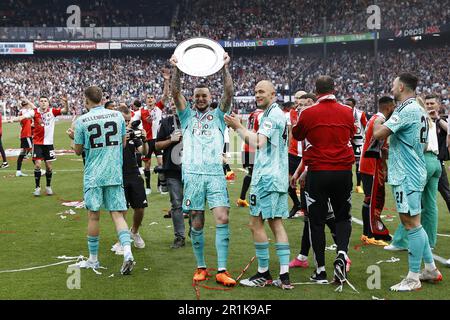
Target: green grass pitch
{"type": "Point", "coordinates": [32, 234]}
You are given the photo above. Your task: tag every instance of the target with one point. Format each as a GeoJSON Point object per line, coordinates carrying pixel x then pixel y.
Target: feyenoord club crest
{"type": "Point", "coordinates": [210, 117]}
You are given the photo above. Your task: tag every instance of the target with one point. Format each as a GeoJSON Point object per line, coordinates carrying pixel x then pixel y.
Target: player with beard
{"type": "Point", "coordinates": [408, 132]}
{"type": "Point", "coordinates": [202, 167]}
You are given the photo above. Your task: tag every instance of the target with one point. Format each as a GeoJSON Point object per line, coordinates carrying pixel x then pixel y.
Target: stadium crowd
{"type": "Point", "coordinates": [240, 19]}
{"type": "Point", "coordinates": [129, 77]}
{"type": "Point", "coordinates": [235, 19]}
{"type": "Point", "coordinates": [99, 13]}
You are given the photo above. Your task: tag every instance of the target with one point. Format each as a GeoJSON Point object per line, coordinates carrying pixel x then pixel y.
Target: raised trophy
{"type": "Point", "coordinates": [199, 57]}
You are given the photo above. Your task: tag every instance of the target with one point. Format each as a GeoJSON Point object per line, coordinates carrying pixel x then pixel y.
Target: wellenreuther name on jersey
{"type": "Point", "coordinates": [100, 117]}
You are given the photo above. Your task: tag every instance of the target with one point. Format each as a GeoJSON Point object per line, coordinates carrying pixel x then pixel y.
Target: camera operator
{"type": "Point", "coordinates": [169, 139]}
{"type": "Point", "coordinates": [132, 181]}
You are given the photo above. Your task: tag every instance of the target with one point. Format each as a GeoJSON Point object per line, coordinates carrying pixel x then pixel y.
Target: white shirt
{"type": "Point", "coordinates": [432, 145]}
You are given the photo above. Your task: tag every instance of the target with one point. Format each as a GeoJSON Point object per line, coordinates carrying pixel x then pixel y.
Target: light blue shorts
{"type": "Point", "coordinates": [110, 198]}
{"type": "Point", "coordinates": [268, 204]}
{"type": "Point", "coordinates": [407, 201]}
{"type": "Point", "coordinates": [199, 188]}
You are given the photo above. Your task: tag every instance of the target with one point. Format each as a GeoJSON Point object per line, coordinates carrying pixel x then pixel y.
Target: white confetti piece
{"type": "Point", "coordinates": [391, 260]}
{"type": "Point", "coordinates": [111, 276]}
{"type": "Point", "coordinates": [333, 247]}
{"type": "Point", "coordinates": [153, 223]}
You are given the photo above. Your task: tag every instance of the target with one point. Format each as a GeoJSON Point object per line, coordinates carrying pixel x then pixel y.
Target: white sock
{"type": "Point", "coordinates": [320, 269]}
{"type": "Point", "coordinates": [284, 268]}
{"type": "Point", "coordinates": [93, 257]}
{"type": "Point", "coordinates": [413, 275]}
{"type": "Point", "coordinates": [430, 266]}
{"type": "Point", "coordinates": [221, 269]}
{"type": "Point", "coordinates": [127, 251]}
{"type": "Point", "coordinates": [262, 270]}
{"type": "Point", "coordinates": [302, 257]}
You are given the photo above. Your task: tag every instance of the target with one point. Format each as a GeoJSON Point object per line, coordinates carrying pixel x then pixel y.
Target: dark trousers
{"type": "Point", "coordinates": [443, 186]}
{"type": "Point", "coordinates": [367, 182]}
{"type": "Point", "coordinates": [336, 186]}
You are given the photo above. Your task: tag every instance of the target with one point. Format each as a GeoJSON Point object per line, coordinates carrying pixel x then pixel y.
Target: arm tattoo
{"type": "Point", "coordinates": [225, 103]}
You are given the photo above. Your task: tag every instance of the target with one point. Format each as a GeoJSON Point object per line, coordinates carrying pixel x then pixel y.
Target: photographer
{"type": "Point", "coordinates": [169, 139]}
{"type": "Point", "coordinates": [132, 181]}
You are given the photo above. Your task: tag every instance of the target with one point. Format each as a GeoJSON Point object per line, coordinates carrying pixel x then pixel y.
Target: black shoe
{"type": "Point", "coordinates": [168, 215]}
{"type": "Point", "coordinates": [283, 282]}
{"type": "Point", "coordinates": [386, 237]}
{"type": "Point", "coordinates": [293, 211]}
{"type": "Point", "coordinates": [340, 269]}
{"type": "Point", "coordinates": [178, 243]}
{"type": "Point", "coordinates": [319, 278]}
{"type": "Point", "coordinates": [4, 165]}
{"type": "Point", "coordinates": [258, 280]}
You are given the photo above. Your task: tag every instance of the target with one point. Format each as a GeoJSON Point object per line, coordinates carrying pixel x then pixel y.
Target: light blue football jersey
{"type": "Point", "coordinates": [271, 161]}
{"type": "Point", "coordinates": [407, 143]}
{"type": "Point", "coordinates": [203, 140]}
{"type": "Point", "coordinates": [101, 133]}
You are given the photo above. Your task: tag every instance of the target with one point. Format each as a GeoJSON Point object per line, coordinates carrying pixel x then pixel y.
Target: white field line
{"type": "Point", "coordinates": [435, 256]}
{"type": "Point", "coordinates": [38, 267]}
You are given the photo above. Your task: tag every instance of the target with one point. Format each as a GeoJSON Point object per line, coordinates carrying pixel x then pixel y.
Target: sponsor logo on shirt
{"type": "Point", "coordinates": [394, 118]}
{"type": "Point", "coordinates": [267, 125]}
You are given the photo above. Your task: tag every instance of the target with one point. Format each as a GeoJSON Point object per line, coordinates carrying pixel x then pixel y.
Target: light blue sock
{"type": "Point", "coordinates": [400, 239]}
{"type": "Point", "coordinates": [93, 246]}
{"type": "Point", "coordinates": [262, 253]}
{"type": "Point", "coordinates": [124, 237]}
{"type": "Point", "coordinates": [427, 253]}
{"type": "Point", "coordinates": [222, 241]}
{"type": "Point", "coordinates": [283, 253]}
{"type": "Point", "coordinates": [417, 239]}
{"type": "Point", "coordinates": [198, 241]}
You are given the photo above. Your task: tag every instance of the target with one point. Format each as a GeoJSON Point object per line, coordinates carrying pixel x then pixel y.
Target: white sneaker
{"type": "Point", "coordinates": [430, 275]}
{"type": "Point", "coordinates": [127, 266]}
{"type": "Point", "coordinates": [148, 191]}
{"type": "Point", "coordinates": [407, 285]}
{"type": "Point", "coordinates": [447, 263]}
{"type": "Point", "coordinates": [394, 248]}
{"type": "Point", "coordinates": [49, 191]}
{"type": "Point", "coordinates": [117, 248]}
{"type": "Point", "coordinates": [37, 192]}
{"type": "Point", "coordinates": [43, 172]}
{"type": "Point", "coordinates": [138, 241]}
{"type": "Point", "coordinates": [20, 174]}
{"type": "Point", "coordinates": [87, 264]}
